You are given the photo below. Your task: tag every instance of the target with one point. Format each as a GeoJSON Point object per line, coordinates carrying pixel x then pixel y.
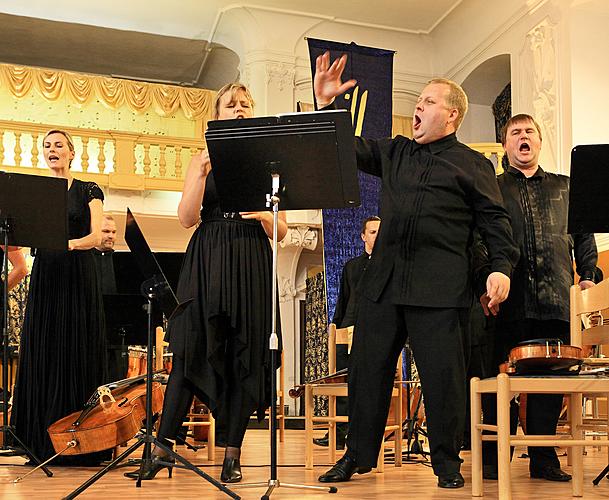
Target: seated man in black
{"type": "Point", "coordinates": [345, 313]}
{"type": "Point", "coordinates": [103, 256]}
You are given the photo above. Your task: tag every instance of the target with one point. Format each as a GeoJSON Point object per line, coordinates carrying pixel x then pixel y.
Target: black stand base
{"type": "Point", "coordinates": [598, 478]}
{"type": "Point", "coordinates": [148, 441]}
{"type": "Point", "coordinates": [6, 450]}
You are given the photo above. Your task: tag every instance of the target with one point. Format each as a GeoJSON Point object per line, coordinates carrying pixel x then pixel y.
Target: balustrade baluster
{"type": "Point", "coordinates": [18, 149]}
{"type": "Point", "coordinates": [178, 169]}
{"type": "Point", "coordinates": [35, 151]}
{"type": "Point", "coordinates": [1, 147]}
{"type": "Point", "coordinates": [147, 160]}
{"type": "Point", "coordinates": [84, 157]}
{"type": "Point", "coordinates": [101, 157]}
{"type": "Point", "coordinates": [162, 161]}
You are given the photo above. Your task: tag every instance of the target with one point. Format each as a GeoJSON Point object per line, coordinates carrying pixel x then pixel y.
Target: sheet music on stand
{"type": "Point", "coordinates": [589, 189]}
{"type": "Point", "coordinates": [246, 152]}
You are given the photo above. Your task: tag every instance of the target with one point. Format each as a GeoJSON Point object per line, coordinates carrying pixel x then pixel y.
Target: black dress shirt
{"type": "Point", "coordinates": [433, 197]}
{"type": "Point", "coordinates": [538, 206]}
{"type": "Point", "coordinates": [105, 271]}
{"type": "Point", "coordinates": [346, 305]}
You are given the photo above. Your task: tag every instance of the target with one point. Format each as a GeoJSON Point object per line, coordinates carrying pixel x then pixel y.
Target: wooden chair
{"type": "Point", "coordinates": [343, 336]}
{"type": "Point", "coordinates": [583, 303]}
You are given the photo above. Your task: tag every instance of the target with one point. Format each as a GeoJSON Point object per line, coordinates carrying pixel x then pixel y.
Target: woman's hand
{"type": "Point", "coordinates": [261, 216]}
{"type": "Point", "coordinates": [201, 164]}
{"type": "Point", "coordinates": [266, 219]}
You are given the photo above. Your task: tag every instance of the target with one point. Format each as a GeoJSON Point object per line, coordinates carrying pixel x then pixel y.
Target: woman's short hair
{"type": "Point", "coordinates": [233, 88]}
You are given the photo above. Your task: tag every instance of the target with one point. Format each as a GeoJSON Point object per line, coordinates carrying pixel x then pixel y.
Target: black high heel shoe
{"type": "Point", "coordinates": [151, 469]}
{"type": "Point", "coordinates": [231, 471]}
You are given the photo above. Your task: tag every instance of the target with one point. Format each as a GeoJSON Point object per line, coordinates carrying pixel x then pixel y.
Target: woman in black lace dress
{"type": "Point", "coordinates": [220, 342]}
{"type": "Point", "coordinates": [62, 356]}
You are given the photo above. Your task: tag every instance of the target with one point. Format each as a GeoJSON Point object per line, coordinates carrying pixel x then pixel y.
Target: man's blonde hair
{"type": "Point", "coordinates": [456, 99]}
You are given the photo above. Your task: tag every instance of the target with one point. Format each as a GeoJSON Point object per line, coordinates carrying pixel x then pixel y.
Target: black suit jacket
{"type": "Point", "coordinates": [345, 312]}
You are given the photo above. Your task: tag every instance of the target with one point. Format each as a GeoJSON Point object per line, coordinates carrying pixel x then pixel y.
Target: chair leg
{"type": "Point", "coordinates": [332, 429]}
{"type": "Point", "coordinates": [380, 462]}
{"type": "Point", "coordinates": [476, 437]}
{"type": "Point", "coordinates": [308, 427]}
{"type": "Point", "coordinates": [503, 436]}
{"type": "Point", "coordinates": [211, 438]}
{"type": "Point", "coordinates": [575, 411]}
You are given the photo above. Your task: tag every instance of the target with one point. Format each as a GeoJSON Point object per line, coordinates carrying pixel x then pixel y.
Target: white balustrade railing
{"type": "Point", "coordinates": [121, 160]}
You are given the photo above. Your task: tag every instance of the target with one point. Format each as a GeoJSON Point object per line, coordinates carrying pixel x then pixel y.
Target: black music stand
{"type": "Point", "coordinates": [588, 201]}
{"type": "Point", "coordinates": [25, 221]}
{"type": "Point", "coordinates": [154, 288]}
{"type": "Point", "coordinates": [293, 162]}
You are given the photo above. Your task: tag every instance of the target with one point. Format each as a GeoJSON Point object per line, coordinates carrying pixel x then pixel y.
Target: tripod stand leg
{"type": "Point", "coordinates": [29, 454]}
{"type": "Point", "coordinates": [272, 485]}
{"type": "Point", "coordinates": [598, 478]}
{"type": "Point", "coordinates": [102, 472]}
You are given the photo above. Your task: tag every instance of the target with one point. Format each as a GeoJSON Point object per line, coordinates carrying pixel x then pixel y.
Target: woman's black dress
{"type": "Point", "coordinates": [62, 356]}
{"type": "Point", "coordinates": [224, 332]}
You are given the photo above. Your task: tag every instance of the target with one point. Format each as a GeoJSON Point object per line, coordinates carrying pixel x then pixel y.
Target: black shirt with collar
{"type": "Point", "coordinates": [539, 206]}
{"type": "Point", "coordinates": [433, 197]}
{"type": "Point", "coordinates": [105, 271]}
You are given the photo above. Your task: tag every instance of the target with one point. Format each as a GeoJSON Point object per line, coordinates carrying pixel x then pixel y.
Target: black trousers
{"type": "Point", "coordinates": [234, 410]}
{"type": "Point", "coordinates": [543, 410]}
{"type": "Point", "coordinates": [437, 338]}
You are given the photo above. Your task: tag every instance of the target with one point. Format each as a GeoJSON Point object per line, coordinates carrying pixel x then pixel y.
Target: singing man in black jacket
{"type": "Point", "coordinates": [538, 304]}
{"type": "Point", "coordinates": [435, 191]}
{"type": "Point", "coordinates": [345, 314]}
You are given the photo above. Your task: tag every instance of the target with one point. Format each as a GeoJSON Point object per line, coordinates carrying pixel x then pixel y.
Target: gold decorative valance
{"type": "Point", "coordinates": [139, 96]}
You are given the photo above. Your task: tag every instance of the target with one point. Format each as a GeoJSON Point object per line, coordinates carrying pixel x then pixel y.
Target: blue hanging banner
{"type": "Point", "coordinates": [370, 103]}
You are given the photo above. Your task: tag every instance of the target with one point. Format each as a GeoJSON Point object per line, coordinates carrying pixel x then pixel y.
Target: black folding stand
{"type": "Point", "coordinates": [155, 288]}
{"type": "Point", "coordinates": [25, 222]}
{"type": "Point", "coordinates": [308, 160]}
{"type": "Point", "coordinates": [588, 201]}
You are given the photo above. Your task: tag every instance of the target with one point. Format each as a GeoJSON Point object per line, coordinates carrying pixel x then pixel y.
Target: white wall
{"type": "Point", "coordinates": [478, 125]}
{"type": "Point", "coordinates": [590, 72]}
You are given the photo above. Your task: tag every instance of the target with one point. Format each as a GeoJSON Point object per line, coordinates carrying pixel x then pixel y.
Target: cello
{"type": "Point", "coordinates": [113, 415]}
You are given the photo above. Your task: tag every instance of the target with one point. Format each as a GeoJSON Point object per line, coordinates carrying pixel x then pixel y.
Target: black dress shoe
{"type": "Point", "coordinates": [454, 480]}
{"type": "Point", "coordinates": [151, 469]}
{"type": "Point", "coordinates": [325, 442]}
{"type": "Point", "coordinates": [342, 471]}
{"type": "Point", "coordinates": [490, 472]}
{"type": "Point", "coordinates": [550, 473]}
{"type": "Point", "coordinates": [231, 471]}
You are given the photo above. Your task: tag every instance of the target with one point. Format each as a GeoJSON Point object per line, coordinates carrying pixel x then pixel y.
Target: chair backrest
{"type": "Point", "coordinates": [587, 325]}
{"type": "Point", "coordinates": [337, 336]}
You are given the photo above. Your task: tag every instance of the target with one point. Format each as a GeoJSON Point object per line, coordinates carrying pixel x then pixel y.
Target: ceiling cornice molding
{"type": "Point", "coordinates": [337, 20]}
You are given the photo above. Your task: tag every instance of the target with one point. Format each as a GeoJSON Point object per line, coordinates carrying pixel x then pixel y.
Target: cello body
{"type": "Point", "coordinates": [116, 418]}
